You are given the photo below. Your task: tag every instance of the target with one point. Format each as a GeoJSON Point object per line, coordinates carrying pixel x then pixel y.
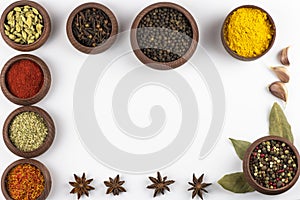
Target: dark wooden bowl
{"type": "Point", "coordinates": [37, 97]}
{"type": "Point", "coordinates": [48, 141]}
{"type": "Point", "coordinates": [234, 54]}
{"type": "Point", "coordinates": [35, 163]}
{"type": "Point", "coordinates": [46, 30]}
{"type": "Point", "coordinates": [104, 46]}
{"type": "Point", "coordinates": [251, 180]}
{"type": "Point", "coordinates": [163, 65]}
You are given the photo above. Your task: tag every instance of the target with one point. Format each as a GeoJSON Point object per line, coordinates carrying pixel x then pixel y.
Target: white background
{"type": "Point", "coordinates": [247, 99]}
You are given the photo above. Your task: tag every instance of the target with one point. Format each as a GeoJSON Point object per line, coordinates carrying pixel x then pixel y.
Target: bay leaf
{"type": "Point", "coordinates": [236, 183]}
{"type": "Point", "coordinates": [240, 147]}
{"type": "Point", "coordinates": [278, 124]}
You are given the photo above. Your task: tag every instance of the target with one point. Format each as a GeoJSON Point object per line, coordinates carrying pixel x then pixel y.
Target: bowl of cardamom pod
{"type": "Point", "coordinates": [271, 165]}
{"type": "Point", "coordinates": [164, 36]}
{"type": "Point", "coordinates": [25, 25]}
{"type": "Point", "coordinates": [28, 131]}
{"type": "Point", "coordinates": [248, 32]}
{"type": "Point", "coordinates": [26, 179]}
{"type": "Point", "coordinates": [92, 28]}
{"type": "Point", "coordinates": [25, 79]}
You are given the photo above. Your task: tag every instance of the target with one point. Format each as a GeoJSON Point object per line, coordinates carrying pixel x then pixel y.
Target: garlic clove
{"type": "Point", "coordinates": [284, 57]}
{"type": "Point", "coordinates": [282, 73]}
{"type": "Point", "coordinates": [279, 90]}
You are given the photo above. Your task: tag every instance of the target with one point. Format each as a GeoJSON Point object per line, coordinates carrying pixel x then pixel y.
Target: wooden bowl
{"type": "Point", "coordinates": [163, 65]}
{"type": "Point", "coordinates": [42, 92]}
{"type": "Point", "coordinates": [233, 53]}
{"type": "Point", "coordinates": [35, 163]}
{"type": "Point", "coordinates": [48, 141]}
{"type": "Point", "coordinates": [46, 30]}
{"type": "Point", "coordinates": [250, 178]}
{"type": "Point", "coordinates": [105, 45]}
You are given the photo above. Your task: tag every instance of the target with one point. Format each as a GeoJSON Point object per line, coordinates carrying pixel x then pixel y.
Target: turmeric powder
{"type": "Point", "coordinates": [248, 32]}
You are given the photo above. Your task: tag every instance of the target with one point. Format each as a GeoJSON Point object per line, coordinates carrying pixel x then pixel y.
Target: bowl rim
{"type": "Point", "coordinates": [44, 36]}
{"type": "Point", "coordinates": [231, 52]}
{"type": "Point", "coordinates": [164, 65]}
{"type": "Point", "coordinates": [49, 138]}
{"type": "Point", "coordinates": [247, 172]}
{"type": "Point", "coordinates": [43, 90]}
{"type": "Point", "coordinates": [102, 47]}
{"type": "Point", "coordinates": [39, 165]}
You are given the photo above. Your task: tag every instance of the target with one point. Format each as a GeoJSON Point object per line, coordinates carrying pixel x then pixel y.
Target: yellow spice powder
{"type": "Point", "coordinates": [248, 32]}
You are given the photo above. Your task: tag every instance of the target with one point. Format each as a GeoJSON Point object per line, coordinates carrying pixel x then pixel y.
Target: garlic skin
{"type": "Point", "coordinates": [279, 90]}
{"type": "Point", "coordinates": [282, 73]}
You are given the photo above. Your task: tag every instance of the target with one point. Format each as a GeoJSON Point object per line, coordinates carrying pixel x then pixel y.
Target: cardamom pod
{"type": "Point", "coordinates": [282, 73]}
{"type": "Point", "coordinates": [279, 90]}
{"type": "Point", "coordinates": [284, 56]}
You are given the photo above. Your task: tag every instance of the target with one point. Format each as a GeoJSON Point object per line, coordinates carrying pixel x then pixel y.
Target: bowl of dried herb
{"type": "Point", "coordinates": [271, 165]}
{"type": "Point", "coordinates": [25, 25]}
{"type": "Point", "coordinates": [248, 33]}
{"type": "Point", "coordinates": [25, 79]}
{"type": "Point", "coordinates": [164, 36]}
{"type": "Point", "coordinates": [92, 28]}
{"type": "Point", "coordinates": [28, 131]}
{"type": "Point", "coordinates": [26, 179]}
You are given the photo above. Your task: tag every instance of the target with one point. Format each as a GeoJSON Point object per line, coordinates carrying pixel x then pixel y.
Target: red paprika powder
{"type": "Point", "coordinates": [24, 78]}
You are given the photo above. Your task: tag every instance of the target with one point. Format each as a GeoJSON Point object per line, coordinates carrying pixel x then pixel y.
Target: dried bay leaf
{"type": "Point", "coordinates": [240, 147]}
{"type": "Point", "coordinates": [278, 124]}
{"type": "Point", "coordinates": [236, 183]}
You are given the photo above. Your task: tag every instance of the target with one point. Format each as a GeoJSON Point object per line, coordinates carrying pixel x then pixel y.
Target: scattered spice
{"type": "Point", "coordinates": [279, 90]}
{"type": "Point", "coordinates": [115, 186]}
{"type": "Point", "coordinates": [164, 34]}
{"type": "Point", "coordinates": [160, 184]}
{"type": "Point", "coordinates": [282, 73]}
{"type": "Point", "coordinates": [284, 56]}
{"type": "Point", "coordinates": [273, 164]}
{"type": "Point", "coordinates": [24, 78]}
{"type": "Point", "coordinates": [25, 182]}
{"type": "Point", "coordinates": [81, 186]}
{"type": "Point", "coordinates": [198, 187]}
{"type": "Point", "coordinates": [248, 32]}
{"type": "Point", "coordinates": [91, 27]}
{"type": "Point", "coordinates": [28, 131]}
{"type": "Point", "coordinates": [24, 25]}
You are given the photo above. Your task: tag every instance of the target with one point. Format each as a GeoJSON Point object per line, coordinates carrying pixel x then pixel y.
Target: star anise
{"type": "Point", "coordinates": [81, 186]}
{"type": "Point", "coordinates": [160, 184]}
{"type": "Point", "coordinates": [114, 186]}
{"type": "Point", "coordinates": [198, 186]}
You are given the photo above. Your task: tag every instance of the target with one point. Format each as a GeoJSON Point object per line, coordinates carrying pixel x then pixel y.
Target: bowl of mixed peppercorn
{"type": "Point", "coordinates": [28, 131]}
{"type": "Point", "coordinates": [26, 179]}
{"type": "Point", "coordinates": [25, 25]}
{"type": "Point", "coordinates": [164, 36]}
{"type": "Point", "coordinates": [271, 165]}
{"type": "Point", "coordinates": [92, 28]}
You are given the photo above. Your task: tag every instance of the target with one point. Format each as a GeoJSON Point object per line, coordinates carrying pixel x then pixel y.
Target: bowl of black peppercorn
{"type": "Point", "coordinates": [271, 165]}
{"type": "Point", "coordinates": [164, 36]}
{"type": "Point", "coordinates": [92, 28]}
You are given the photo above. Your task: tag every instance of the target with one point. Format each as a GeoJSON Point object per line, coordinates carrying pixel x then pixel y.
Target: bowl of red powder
{"type": "Point", "coordinates": [26, 179]}
{"type": "Point", "coordinates": [25, 79]}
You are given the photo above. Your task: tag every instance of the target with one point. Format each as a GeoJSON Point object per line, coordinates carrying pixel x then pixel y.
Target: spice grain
{"type": "Point", "coordinates": [25, 182]}
{"type": "Point", "coordinates": [28, 131]}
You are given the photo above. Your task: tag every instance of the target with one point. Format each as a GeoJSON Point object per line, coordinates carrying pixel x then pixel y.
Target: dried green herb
{"type": "Point", "coordinates": [235, 183]}
{"type": "Point", "coordinates": [240, 147]}
{"type": "Point", "coordinates": [278, 124]}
